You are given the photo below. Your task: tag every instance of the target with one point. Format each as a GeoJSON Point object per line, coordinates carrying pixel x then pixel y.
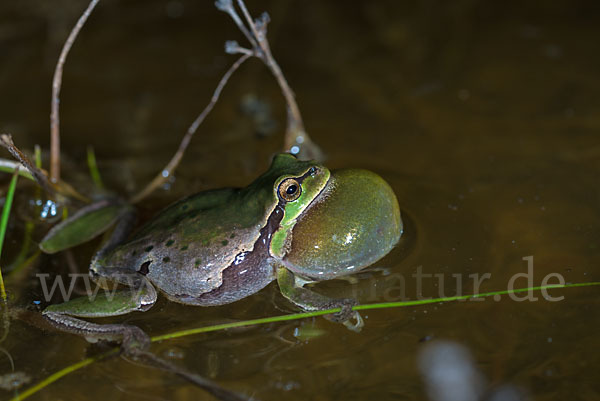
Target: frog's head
{"type": "Point", "coordinates": [334, 223]}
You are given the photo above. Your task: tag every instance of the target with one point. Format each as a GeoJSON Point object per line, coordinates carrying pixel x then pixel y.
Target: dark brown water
{"type": "Point", "coordinates": [483, 116]}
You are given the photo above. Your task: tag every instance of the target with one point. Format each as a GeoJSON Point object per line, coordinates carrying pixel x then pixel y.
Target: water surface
{"type": "Point", "coordinates": [482, 116]}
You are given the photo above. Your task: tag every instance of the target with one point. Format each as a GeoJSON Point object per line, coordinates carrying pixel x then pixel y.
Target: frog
{"type": "Point", "coordinates": [297, 223]}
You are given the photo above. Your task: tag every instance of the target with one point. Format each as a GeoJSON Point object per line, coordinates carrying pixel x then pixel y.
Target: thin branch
{"type": "Point", "coordinates": [55, 102]}
{"type": "Point", "coordinates": [7, 142]}
{"type": "Point", "coordinates": [162, 177]}
{"type": "Point", "coordinates": [60, 189]}
{"type": "Point", "coordinates": [249, 22]}
{"type": "Point", "coordinates": [227, 6]}
{"type": "Point", "coordinates": [233, 47]}
{"type": "Point", "coordinates": [296, 140]}
{"type": "Point", "coordinates": [260, 33]}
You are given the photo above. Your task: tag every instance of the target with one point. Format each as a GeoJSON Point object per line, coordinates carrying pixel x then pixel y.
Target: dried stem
{"type": "Point", "coordinates": [162, 177]}
{"type": "Point", "coordinates": [227, 6]}
{"type": "Point", "coordinates": [55, 102]}
{"type": "Point", "coordinates": [269, 60]}
{"type": "Point", "coordinates": [7, 142]}
{"type": "Point", "coordinates": [297, 140]}
{"type": "Point", "coordinates": [60, 189]}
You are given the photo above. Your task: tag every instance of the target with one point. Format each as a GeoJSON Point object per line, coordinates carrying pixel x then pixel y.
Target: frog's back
{"type": "Point", "coordinates": [186, 247]}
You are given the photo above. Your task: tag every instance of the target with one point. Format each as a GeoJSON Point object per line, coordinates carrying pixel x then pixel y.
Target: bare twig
{"type": "Point", "coordinates": [162, 177]}
{"type": "Point", "coordinates": [55, 102]}
{"type": "Point", "coordinates": [296, 140]}
{"type": "Point", "coordinates": [227, 6]}
{"type": "Point", "coordinates": [7, 142]}
{"type": "Point", "coordinates": [233, 47]}
{"type": "Point", "coordinates": [261, 40]}
{"type": "Point", "coordinates": [60, 189]}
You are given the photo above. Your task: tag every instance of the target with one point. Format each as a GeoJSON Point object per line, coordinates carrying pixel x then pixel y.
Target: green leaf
{"type": "Point", "coordinates": [87, 223]}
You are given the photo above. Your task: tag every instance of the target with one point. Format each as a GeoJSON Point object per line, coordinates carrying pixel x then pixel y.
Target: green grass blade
{"type": "Point", "coordinates": [86, 224]}
{"type": "Point", "coordinates": [24, 255]}
{"type": "Point", "coordinates": [4, 223]}
{"type": "Point", "coordinates": [9, 166]}
{"type": "Point", "coordinates": [3, 227]}
{"type": "Point", "coordinates": [37, 155]}
{"type": "Point", "coordinates": [25, 246]}
{"type": "Point", "coordinates": [19, 272]}
{"type": "Point", "coordinates": [94, 172]}
{"type": "Point", "coordinates": [69, 369]}
{"type": "Point", "coordinates": [63, 372]}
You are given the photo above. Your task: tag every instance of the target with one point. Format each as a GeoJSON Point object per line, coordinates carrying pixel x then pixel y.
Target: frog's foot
{"type": "Point", "coordinates": [350, 318]}
{"type": "Point", "coordinates": [308, 300]}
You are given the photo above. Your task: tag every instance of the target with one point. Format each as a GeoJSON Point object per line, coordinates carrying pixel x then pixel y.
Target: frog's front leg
{"type": "Point", "coordinates": [292, 287]}
{"type": "Point", "coordinates": [140, 296]}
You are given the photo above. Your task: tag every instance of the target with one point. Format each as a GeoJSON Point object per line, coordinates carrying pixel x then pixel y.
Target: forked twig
{"type": "Point", "coordinates": [162, 177]}
{"type": "Point", "coordinates": [55, 102]}
{"type": "Point", "coordinates": [297, 140]}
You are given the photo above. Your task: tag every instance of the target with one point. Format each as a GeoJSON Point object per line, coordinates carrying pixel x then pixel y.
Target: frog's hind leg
{"type": "Point", "coordinates": [292, 287]}
{"type": "Point", "coordinates": [140, 296]}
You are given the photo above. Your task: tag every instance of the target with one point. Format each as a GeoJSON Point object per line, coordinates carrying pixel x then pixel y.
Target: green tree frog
{"type": "Point", "coordinates": [297, 223]}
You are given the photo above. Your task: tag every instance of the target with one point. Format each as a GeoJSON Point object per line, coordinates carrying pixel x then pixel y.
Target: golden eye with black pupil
{"type": "Point", "coordinates": [289, 190]}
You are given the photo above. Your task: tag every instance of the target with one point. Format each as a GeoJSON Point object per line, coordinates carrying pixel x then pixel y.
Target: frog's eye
{"type": "Point", "coordinates": [289, 190]}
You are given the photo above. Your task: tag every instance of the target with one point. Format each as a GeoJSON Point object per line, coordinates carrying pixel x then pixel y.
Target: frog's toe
{"type": "Point", "coordinates": [350, 318]}
{"type": "Point", "coordinates": [355, 322]}
{"type": "Point", "coordinates": [346, 312]}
